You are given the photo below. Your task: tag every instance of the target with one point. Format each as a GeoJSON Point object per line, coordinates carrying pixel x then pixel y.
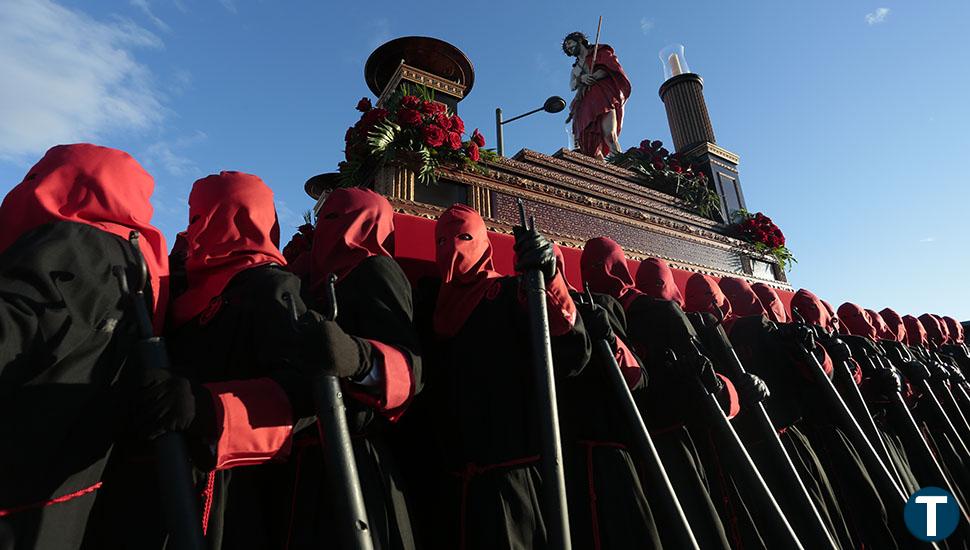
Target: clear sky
{"type": "Point", "coordinates": [851, 118]}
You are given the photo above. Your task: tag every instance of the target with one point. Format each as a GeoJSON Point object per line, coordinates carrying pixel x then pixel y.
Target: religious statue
{"type": "Point", "coordinates": [602, 89]}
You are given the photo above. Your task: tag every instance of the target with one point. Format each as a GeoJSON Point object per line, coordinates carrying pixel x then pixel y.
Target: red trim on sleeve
{"type": "Point", "coordinates": [562, 310]}
{"type": "Point", "coordinates": [628, 364]}
{"type": "Point", "coordinates": [856, 371]}
{"type": "Point", "coordinates": [55, 500]}
{"type": "Point", "coordinates": [398, 383]}
{"type": "Point", "coordinates": [733, 402]}
{"type": "Point", "coordinates": [256, 420]}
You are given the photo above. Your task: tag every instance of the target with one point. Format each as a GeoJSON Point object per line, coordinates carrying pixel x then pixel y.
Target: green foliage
{"type": "Point", "coordinates": [689, 186]}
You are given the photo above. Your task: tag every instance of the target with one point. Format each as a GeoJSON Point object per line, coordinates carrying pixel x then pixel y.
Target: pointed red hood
{"type": "Point", "coordinates": [561, 266]}
{"type": "Point", "coordinates": [915, 331]}
{"type": "Point", "coordinates": [97, 186]}
{"type": "Point", "coordinates": [655, 279]}
{"type": "Point", "coordinates": [464, 258]}
{"type": "Point", "coordinates": [955, 329]}
{"type": "Point", "coordinates": [883, 331]}
{"type": "Point", "coordinates": [605, 269]}
{"type": "Point", "coordinates": [703, 295]}
{"type": "Point", "coordinates": [895, 324]}
{"type": "Point", "coordinates": [232, 228]}
{"type": "Point", "coordinates": [744, 302]}
{"type": "Point", "coordinates": [934, 332]}
{"type": "Point", "coordinates": [772, 304]}
{"type": "Point", "coordinates": [947, 339]}
{"type": "Point", "coordinates": [811, 308]}
{"type": "Point", "coordinates": [353, 224]}
{"type": "Point", "coordinates": [856, 321]}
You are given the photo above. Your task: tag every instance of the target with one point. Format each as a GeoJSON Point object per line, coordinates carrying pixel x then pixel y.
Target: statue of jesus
{"type": "Point", "coordinates": [602, 89]}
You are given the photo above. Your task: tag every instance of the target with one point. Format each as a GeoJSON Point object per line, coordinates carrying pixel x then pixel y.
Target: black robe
{"type": "Point", "coordinates": [252, 335]}
{"type": "Point", "coordinates": [673, 414]}
{"type": "Point", "coordinates": [607, 505]}
{"type": "Point", "coordinates": [480, 403]}
{"type": "Point", "coordinates": [827, 463]}
{"type": "Point", "coordinates": [67, 331]}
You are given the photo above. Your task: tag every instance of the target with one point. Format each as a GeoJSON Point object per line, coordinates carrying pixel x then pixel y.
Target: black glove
{"type": "Point", "coordinates": [886, 382]}
{"type": "Point", "coordinates": [329, 351]}
{"type": "Point", "coordinates": [597, 323]}
{"type": "Point", "coordinates": [533, 251]}
{"type": "Point", "coordinates": [796, 334]}
{"type": "Point", "coordinates": [914, 370]}
{"type": "Point", "coordinates": [695, 365]}
{"type": "Point", "coordinates": [837, 349]}
{"type": "Point", "coordinates": [751, 389]}
{"type": "Point", "coordinates": [165, 402]}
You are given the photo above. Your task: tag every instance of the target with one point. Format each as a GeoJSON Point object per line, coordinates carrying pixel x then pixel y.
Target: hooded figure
{"type": "Point", "coordinates": [480, 399]}
{"type": "Point", "coordinates": [915, 332]}
{"type": "Point", "coordinates": [704, 296]}
{"type": "Point", "coordinates": [824, 459]}
{"type": "Point", "coordinates": [955, 329]}
{"type": "Point", "coordinates": [67, 333]}
{"type": "Point", "coordinates": [655, 279]}
{"type": "Point", "coordinates": [774, 307]}
{"type": "Point", "coordinates": [607, 504]}
{"type": "Point", "coordinates": [934, 332]}
{"type": "Point", "coordinates": [856, 321]}
{"type": "Point", "coordinates": [669, 407]}
{"type": "Point", "coordinates": [894, 322]}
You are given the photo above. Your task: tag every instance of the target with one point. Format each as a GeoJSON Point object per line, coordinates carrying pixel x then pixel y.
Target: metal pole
{"type": "Point", "coordinates": [339, 462]}
{"type": "Point", "coordinates": [174, 471]}
{"type": "Point", "coordinates": [553, 477]}
{"type": "Point", "coordinates": [499, 138]}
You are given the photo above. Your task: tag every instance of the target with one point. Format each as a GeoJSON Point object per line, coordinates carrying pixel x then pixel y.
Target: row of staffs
{"type": "Point", "coordinates": [793, 522]}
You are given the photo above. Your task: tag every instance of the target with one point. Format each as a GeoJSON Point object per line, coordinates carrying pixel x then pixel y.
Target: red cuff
{"type": "Point", "coordinates": [856, 371]}
{"type": "Point", "coordinates": [397, 383]}
{"type": "Point", "coordinates": [731, 394]}
{"type": "Point", "coordinates": [256, 420]}
{"type": "Point", "coordinates": [825, 361]}
{"type": "Point", "coordinates": [628, 364]}
{"type": "Point", "coordinates": [562, 310]}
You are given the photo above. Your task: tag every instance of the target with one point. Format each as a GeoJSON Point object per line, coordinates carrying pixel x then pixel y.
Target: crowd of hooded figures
{"type": "Point", "coordinates": [437, 380]}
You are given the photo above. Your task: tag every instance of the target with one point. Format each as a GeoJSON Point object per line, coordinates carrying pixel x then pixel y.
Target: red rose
{"type": "Point", "coordinates": [454, 141]}
{"type": "Point", "coordinates": [443, 121]}
{"type": "Point", "coordinates": [409, 117]}
{"type": "Point", "coordinates": [433, 136]}
{"type": "Point", "coordinates": [349, 135]}
{"type": "Point", "coordinates": [364, 105]}
{"type": "Point", "coordinates": [432, 107]}
{"type": "Point", "coordinates": [457, 124]}
{"type": "Point", "coordinates": [472, 150]}
{"type": "Point", "coordinates": [677, 168]}
{"type": "Point", "coordinates": [656, 144]}
{"type": "Point", "coordinates": [645, 145]}
{"type": "Point", "coordinates": [657, 165]}
{"type": "Point", "coordinates": [478, 138]}
{"type": "Point", "coordinates": [410, 102]}
{"type": "Point", "coordinates": [372, 117]}
{"type": "Point", "coordinates": [663, 152]}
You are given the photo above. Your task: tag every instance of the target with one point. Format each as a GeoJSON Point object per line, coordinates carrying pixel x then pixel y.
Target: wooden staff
{"type": "Point", "coordinates": [596, 46]}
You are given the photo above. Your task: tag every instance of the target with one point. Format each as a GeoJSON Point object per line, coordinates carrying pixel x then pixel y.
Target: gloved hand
{"type": "Point", "coordinates": [597, 322]}
{"type": "Point", "coordinates": [914, 371]}
{"type": "Point", "coordinates": [329, 351]}
{"type": "Point", "coordinates": [164, 402]}
{"type": "Point", "coordinates": [837, 349]}
{"type": "Point", "coordinates": [886, 382]}
{"type": "Point", "coordinates": [799, 335]}
{"type": "Point", "coordinates": [751, 389]}
{"type": "Point", "coordinates": [533, 251]}
{"type": "Point", "coordinates": [695, 365]}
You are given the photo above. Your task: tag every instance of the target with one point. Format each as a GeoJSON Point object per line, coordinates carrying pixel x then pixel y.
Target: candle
{"type": "Point", "coordinates": [674, 61]}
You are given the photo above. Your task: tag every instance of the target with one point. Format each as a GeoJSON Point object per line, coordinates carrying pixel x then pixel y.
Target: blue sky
{"type": "Point", "coordinates": [850, 117]}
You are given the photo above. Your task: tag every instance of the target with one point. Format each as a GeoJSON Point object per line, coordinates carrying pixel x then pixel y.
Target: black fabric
{"type": "Point", "coordinates": [329, 351]}
{"type": "Point", "coordinates": [672, 409]}
{"type": "Point", "coordinates": [480, 407]}
{"type": "Point", "coordinates": [165, 403]}
{"type": "Point", "coordinates": [607, 504]}
{"type": "Point", "coordinates": [373, 302]}
{"type": "Point", "coordinates": [66, 335]}
{"type": "Point", "coordinates": [534, 251]}
{"type": "Point", "coordinates": [840, 477]}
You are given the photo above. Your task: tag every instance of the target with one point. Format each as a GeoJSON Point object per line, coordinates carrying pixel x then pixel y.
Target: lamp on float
{"type": "Point", "coordinates": [554, 104]}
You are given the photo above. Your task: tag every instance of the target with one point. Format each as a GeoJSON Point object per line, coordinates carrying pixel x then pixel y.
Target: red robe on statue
{"type": "Point", "coordinates": [607, 94]}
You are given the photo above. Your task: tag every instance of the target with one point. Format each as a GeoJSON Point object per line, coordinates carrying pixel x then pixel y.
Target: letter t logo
{"type": "Point", "coordinates": [930, 502]}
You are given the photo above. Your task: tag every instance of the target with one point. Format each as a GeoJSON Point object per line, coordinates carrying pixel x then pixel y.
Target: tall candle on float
{"type": "Point", "coordinates": [674, 61]}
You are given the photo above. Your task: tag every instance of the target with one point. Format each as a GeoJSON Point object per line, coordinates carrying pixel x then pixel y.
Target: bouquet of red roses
{"type": "Point", "coordinates": [670, 173]}
{"type": "Point", "coordinates": [413, 129]}
{"type": "Point", "coordinates": [766, 237]}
